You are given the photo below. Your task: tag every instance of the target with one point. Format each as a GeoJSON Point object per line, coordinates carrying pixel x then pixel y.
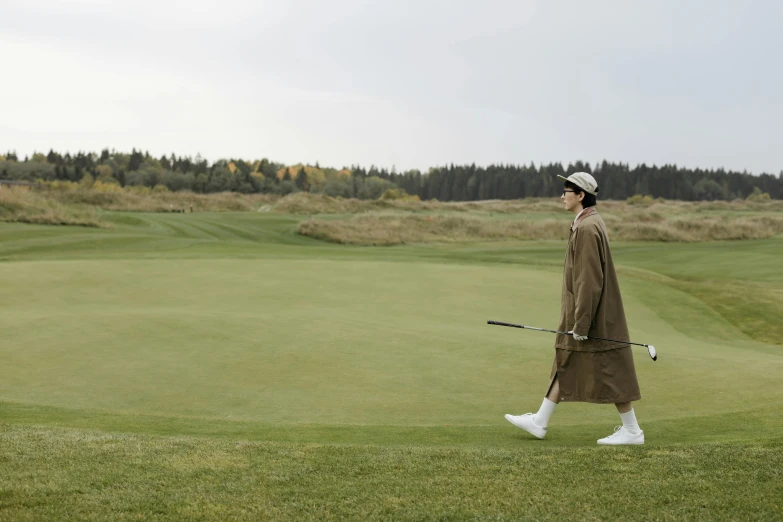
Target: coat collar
{"type": "Point", "coordinates": [589, 211]}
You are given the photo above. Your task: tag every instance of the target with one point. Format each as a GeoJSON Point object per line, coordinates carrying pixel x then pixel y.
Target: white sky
{"type": "Point", "coordinates": [407, 83]}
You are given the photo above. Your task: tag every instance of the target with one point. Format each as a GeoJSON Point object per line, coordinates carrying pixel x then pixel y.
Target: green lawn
{"type": "Point", "coordinates": [220, 366]}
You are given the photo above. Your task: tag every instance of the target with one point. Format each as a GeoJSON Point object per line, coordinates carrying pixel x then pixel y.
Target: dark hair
{"type": "Point", "coordinates": [590, 199]}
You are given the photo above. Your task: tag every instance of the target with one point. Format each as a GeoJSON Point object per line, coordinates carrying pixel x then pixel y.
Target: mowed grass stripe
{"type": "Point", "coordinates": [752, 260]}
{"type": "Point", "coordinates": [202, 230]}
{"type": "Point", "coordinates": [83, 244]}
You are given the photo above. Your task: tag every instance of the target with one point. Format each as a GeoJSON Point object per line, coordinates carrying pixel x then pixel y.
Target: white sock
{"type": "Point", "coordinates": [629, 421]}
{"type": "Point", "coordinates": [544, 412]}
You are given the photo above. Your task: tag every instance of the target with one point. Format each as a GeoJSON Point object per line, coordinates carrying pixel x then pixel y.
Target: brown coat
{"type": "Point", "coordinates": [592, 370]}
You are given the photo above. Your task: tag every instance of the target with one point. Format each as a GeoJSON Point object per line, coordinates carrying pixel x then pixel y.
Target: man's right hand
{"type": "Point", "coordinates": [579, 337]}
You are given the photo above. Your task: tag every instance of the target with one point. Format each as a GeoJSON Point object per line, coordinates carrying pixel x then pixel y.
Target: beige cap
{"type": "Point", "coordinates": [583, 180]}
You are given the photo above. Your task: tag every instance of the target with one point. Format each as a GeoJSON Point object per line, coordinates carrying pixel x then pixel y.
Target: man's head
{"type": "Point", "coordinates": [579, 191]}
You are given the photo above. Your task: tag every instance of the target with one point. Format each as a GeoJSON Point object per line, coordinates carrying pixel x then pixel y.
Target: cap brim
{"type": "Point", "coordinates": [561, 177]}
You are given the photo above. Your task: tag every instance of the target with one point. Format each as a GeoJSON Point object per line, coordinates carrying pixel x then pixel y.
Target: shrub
{"type": "Point", "coordinates": [87, 181]}
{"type": "Point", "coordinates": [63, 186]}
{"type": "Point", "coordinates": [638, 199]}
{"type": "Point", "coordinates": [373, 187]}
{"type": "Point", "coordinates": [757, 195]}
{"type": "Point", "coordinates": [102, 186]}
{"type": "Point", "coordinates": [397, 194]}
{"type": "Point", "coordinates": [141, 190]}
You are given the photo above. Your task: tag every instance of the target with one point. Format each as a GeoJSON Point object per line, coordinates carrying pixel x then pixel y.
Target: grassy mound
{"type": "Point", "coordinates": [25, 206]}
{"type": "Point", "coordinates": [151, 201]}
{"type": "Point", "coordinates": [304, 203]}
{"type": "Point", "coordinates": [391, 229]}
{"type": "Point", "coordinates": [396, 229]}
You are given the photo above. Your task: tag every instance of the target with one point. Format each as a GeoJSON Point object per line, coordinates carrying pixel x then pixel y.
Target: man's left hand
{"type": "Point", "coordinates": [580, 337]}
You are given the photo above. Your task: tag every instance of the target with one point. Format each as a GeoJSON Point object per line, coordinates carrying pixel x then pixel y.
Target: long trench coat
{"type": "Point", "coordinates": [592, 371]}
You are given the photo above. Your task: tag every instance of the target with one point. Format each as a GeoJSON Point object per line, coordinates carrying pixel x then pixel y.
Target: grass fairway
{"type": "Point", "coordinates": [219, 366]}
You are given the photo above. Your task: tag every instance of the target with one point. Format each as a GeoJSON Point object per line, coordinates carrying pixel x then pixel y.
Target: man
{"type": "Point", "coordinates": [584, 369]}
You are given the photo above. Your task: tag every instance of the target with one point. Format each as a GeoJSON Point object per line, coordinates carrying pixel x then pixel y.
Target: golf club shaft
{"type": "Point", "coordinates": [563, 333]}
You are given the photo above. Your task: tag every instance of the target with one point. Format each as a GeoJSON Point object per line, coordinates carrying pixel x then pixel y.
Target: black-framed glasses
{"type": "Point", "coordinates": [564, 192]}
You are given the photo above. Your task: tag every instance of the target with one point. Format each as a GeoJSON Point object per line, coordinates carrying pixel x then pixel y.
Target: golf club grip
{"type": "Point", "coordinates": [499, 323]}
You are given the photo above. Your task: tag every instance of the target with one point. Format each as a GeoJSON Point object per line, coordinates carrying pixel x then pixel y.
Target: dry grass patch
{"type": "Point", "coordinates": [304, 203]}
{"type": "Point", "coordinates": [395, 229]}
{"type": "Point", "coordinates": [25, 206]}
{"type": "Point", "coordinates": [391, 229]}
{"type": "Point", "coordinates": [149, 201]}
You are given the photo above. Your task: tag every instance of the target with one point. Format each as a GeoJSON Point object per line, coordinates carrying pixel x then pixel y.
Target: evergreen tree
{"type": "Point", "coordinates": [301, 180]}
{"type": "Point", "coordinates": [135, 160]}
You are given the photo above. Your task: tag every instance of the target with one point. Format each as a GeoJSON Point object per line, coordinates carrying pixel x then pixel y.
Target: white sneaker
{"type": "Point", "coordinates": [527, 423]}
{"type": "Point", "coordinates": [622, 436]}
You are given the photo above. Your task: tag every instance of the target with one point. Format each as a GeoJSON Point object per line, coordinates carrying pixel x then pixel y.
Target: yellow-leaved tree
{"type": "Point", "coordinates": [315, 175]}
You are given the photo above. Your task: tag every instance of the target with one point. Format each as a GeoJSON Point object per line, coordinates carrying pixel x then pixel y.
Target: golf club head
{"type": "Point", "coordinates": [652, 352]}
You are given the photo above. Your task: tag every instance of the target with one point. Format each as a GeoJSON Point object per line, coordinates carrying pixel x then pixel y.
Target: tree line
{"type": "Point", "coordinates": [446, 183]}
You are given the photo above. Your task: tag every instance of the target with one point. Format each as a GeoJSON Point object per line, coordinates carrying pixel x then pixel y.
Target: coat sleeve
{"type": "Point", "coordinates": [588, 278]}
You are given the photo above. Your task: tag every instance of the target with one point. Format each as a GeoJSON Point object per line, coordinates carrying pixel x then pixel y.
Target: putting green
{"type": "Point", "coordinates": [354, 341]}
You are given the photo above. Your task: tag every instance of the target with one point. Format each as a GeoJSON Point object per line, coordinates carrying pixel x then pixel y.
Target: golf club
{"type": "Point", "coordinates": [650, 348]}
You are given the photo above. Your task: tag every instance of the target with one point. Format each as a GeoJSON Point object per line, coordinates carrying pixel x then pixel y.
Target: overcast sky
{"type": "Point", "coordinates": [407, 83]}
